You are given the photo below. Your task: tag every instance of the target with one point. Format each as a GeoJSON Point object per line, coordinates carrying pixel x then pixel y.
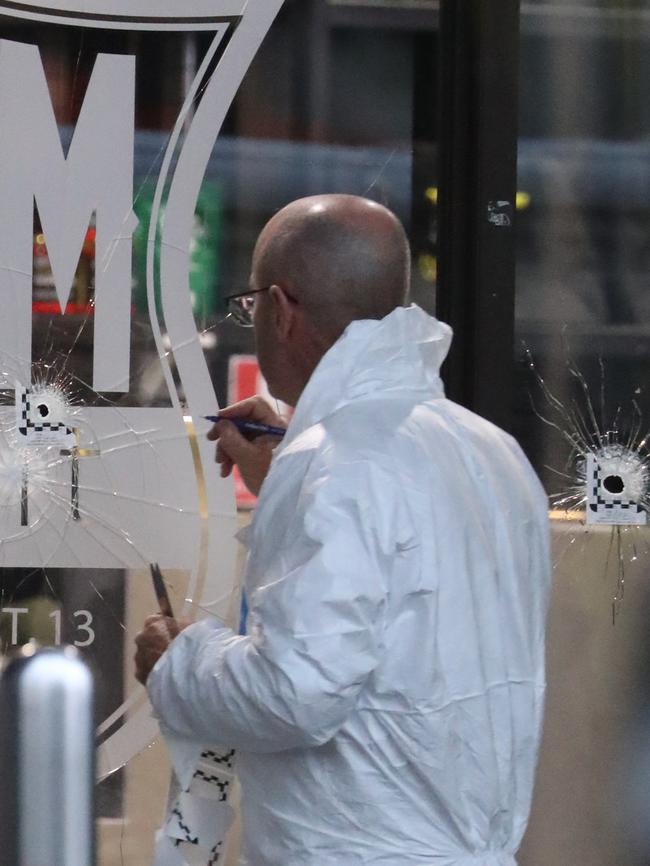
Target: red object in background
{"type": "Point", "coordinates": [88, 248]}
{"type": "Point", "coordinates": [55, 307]}
{"type": "Point", "coordinates": [244, 380]}
{"type": "Point", "coordinates": [44, 294]}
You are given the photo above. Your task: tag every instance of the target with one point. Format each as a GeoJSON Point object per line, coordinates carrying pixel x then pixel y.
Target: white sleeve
{"type": "Point", "coordinates": [315, 629]}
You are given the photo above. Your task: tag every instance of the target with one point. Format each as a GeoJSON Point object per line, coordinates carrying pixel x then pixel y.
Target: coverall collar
{"type": "Point", "coordinates": [402, 352]}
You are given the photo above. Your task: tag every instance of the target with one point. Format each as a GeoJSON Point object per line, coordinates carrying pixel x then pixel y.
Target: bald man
{"type": "Point", "coordinates": [386, 701]}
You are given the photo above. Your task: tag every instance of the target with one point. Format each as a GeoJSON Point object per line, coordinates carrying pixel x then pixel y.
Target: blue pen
{"type": "Point", "coordinates": [245, 426]}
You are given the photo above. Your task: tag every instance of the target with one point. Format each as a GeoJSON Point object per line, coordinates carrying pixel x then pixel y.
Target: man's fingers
{"type": "Point", "coordinates": [232, 445]}
{"type": "Point", "coordinates": [224, 460]}
{"type": "Point", "coordinates": [227, 434]}
{"type": "Point", "coordinates": [152, 642]}
{"type": "Point", "coordinates": [253, 409]}
{"type": "Point", "coordinates": [251, 455]}
{"type": "Point", "coordinates": [154, 627]}
{"type": "Point", "coordinates": [226, 466]}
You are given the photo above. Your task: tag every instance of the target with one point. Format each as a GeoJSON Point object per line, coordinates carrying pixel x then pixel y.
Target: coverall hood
{"type": "Point", "coordinates": [405, 350]}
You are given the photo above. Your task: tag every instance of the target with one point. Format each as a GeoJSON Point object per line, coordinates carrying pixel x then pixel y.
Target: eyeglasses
{"type": "Point", "coordinates": [240, 307]}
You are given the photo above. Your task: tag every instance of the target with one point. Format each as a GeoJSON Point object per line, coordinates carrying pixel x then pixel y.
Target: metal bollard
{"type": "Point", "coordinates": [46, 760]}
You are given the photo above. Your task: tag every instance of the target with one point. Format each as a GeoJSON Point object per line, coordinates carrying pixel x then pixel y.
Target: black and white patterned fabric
{"type": "Point", "coordinates": [200, 815]}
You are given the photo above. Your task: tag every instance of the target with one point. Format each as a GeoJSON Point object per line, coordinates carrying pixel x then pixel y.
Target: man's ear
{"type": "Point", "coordinates": [284, 313]}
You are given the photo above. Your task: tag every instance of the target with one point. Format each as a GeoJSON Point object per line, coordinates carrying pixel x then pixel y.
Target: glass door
{"type": "Point", "coordinates": [582, 411]}
{"type": "Point", "coordinates": [141, 154]}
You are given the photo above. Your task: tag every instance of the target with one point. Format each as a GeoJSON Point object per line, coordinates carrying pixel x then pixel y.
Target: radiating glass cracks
{"type": "Point", "coordinates": [604, 483]}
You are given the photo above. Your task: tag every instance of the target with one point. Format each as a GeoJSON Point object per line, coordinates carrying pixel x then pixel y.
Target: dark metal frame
{"type": "Point", "coordinates": [479, 50]}
{"type": "Point", "coordinates": [466, 135]}
{"type": "Point", "coordinates": [390, 17]}
{"type": "Point", "coordinates": [313, 23]}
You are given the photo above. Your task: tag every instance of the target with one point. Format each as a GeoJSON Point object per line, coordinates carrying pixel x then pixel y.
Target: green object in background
{"type": "Point", "coordinates": [203, 254]}
{"type": "Point", "coordinates": [142, 209]}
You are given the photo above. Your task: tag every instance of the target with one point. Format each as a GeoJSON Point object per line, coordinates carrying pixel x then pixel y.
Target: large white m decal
{"type": "Point", "coordinates": [96, 177]}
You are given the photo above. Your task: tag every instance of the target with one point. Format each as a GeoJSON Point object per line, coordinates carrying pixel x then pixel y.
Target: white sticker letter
{"type": "Point", "coordinates": [95, 177]}
{"type": "Point", "coordinates": [15, 613]}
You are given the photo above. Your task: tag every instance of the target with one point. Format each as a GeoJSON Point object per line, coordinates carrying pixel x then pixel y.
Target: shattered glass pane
{"type": "Point", "coordinates": [583, 411]}
{"type": "Point", "coordinates": [583, 259]}
{"type": "Point", "coordinates": [605, 479]}
{"type": "Point", "coordinates": [108, 272]}
{"type": "Point", "coordinates": [104, 467]}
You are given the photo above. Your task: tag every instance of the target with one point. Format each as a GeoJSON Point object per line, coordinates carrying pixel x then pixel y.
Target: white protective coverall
{"type": "Point", "coordinates": [387, 701]}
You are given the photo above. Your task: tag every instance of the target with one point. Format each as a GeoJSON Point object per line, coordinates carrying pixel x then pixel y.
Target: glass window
{"type": "Point", "coordinates": [337, 98]}
{"type": "Point", "coordinates": [583, 411]}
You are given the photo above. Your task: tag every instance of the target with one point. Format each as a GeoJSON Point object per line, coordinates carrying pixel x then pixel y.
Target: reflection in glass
{"type": "Point", "coordinates": [135, 476]}
{"type": "Point", "coordinates": [582, 352]}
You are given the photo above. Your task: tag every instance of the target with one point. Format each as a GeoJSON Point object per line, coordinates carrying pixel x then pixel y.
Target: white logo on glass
{"type": "Point", "coordinates": [95, 178]}
{"type": "Point", "coordinates": [148, 490]}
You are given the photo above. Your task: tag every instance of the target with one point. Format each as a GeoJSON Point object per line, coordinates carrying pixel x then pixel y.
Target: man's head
{"type": "Point", "coordinates": [326, 261]}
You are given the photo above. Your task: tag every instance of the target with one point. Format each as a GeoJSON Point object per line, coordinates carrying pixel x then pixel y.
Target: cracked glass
{"type": "Point", "coordinates": [141, 155]}
{"type": "Point", "coordinates": [583, 411]}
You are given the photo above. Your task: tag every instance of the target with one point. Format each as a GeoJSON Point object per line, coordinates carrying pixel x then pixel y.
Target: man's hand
{"type": "Point", "coordinates": [158, 632]}
{"type": "Point", "coordinates": [251, 455]}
